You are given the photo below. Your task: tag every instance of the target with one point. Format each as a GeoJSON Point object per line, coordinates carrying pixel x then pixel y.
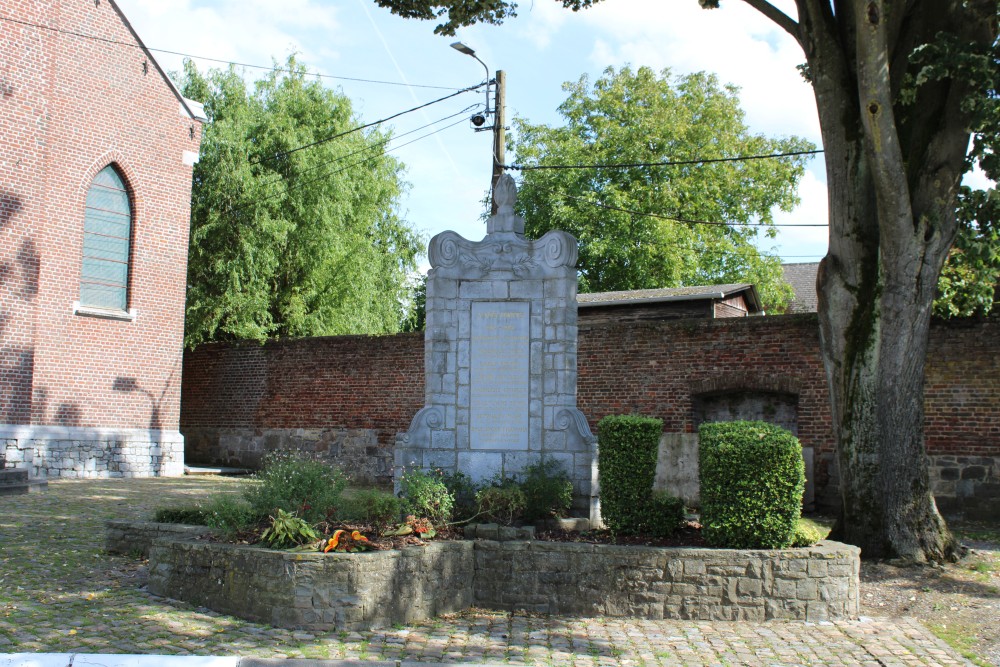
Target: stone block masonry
{"type": "Point", "coordinates": [315, 591]}
{"type": "Point", "coordinates": [52, 452]}
{"type": "Point", "coordinates": [500, 357]}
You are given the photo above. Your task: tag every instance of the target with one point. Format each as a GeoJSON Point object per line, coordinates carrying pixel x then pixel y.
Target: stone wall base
{"type": "Point", "coordinates": [356, 451]}
{"type": "Point", "coordinates": [48, 452]}
{"type": "Point", "coordinates": [316, 591]}
{"type": "Point", "coordinates": [966, 486]}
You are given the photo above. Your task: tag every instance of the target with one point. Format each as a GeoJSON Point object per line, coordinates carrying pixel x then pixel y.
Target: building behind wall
{"type": "Point", "coordinates": [96, 153]}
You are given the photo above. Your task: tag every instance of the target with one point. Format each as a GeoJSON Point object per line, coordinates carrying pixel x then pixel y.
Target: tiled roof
{"type": "Point", "coordinates": [802, 278]}
{"type": "Point", "coordinates": [669, 294]}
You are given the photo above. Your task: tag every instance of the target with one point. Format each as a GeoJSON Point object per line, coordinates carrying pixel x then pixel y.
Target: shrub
{"type": "Point", "coordinates": [548, 491]}
{"type": "Point", "coordinates": [194, 516]}
{"type": "Point", "coordinates": [501, 504]}
{"type": "Point", "coordinates": [808, 533]}
{"type": "Point", "coordinates": [425, 495]}
{"type": "Point", "coordinates": [626, 462]}
{"type": "Point", "coordinates": [310, 489]}
{"type": "Point", "coordinates": [374, 507]}
{"type": "Point", "coordinates": [463, 492]}
{"type": "Point", "coordinates": [752, 478]}
{"type": "Point", "coordinates": [230, 514]}
{"type": "Point", "coordinates": [665, 514]}
{"type": "Point", "coordinates": [287, 530]}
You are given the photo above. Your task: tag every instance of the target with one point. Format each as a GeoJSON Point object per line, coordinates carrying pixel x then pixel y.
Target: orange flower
{"type": "Point", "coordinates": [334, 541]}
{"type": "Point", "coordinates": [358, 537]}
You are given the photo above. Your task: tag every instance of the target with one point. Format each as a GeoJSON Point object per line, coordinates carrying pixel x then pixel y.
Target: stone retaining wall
{"type": "Point", "coordinates": [355, 451]}
{"type": "Point", "coordinates": [815, 584]}
{"type": "Point", "coordinates": [135, 537]}
{"type": "Point", "coordinates": [317, 591]}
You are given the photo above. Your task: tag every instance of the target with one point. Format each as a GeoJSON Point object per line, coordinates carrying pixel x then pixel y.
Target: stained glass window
{"type": "Point", "coordinates": [106, 232]}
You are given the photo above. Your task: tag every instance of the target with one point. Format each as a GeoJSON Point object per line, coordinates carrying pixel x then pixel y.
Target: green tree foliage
{"type": "Point", "coordinates": [303, 243]}
{"type": "Point", "coordinates": [640, 116]}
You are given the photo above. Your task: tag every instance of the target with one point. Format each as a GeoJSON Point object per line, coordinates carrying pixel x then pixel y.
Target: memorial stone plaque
{"type": "Point", "coordinates": [500, 357]}
{"type": "Point", "coordinates": [499, 389]}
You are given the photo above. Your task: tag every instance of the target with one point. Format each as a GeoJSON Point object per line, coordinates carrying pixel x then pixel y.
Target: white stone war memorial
{"type": "Point", "coordinates": [500, 357]}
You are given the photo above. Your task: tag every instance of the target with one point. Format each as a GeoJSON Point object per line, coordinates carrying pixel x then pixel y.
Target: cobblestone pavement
{"type": "Point", "coordinates": [60, 593]}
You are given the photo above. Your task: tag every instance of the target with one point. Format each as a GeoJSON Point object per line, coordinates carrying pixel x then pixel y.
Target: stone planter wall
{"type": "Point", "coordinates": [358, 591]}
{"type": "Point", "coordinates": [315, 591]}
{"type": "Point", "coordinates": [815, 584]}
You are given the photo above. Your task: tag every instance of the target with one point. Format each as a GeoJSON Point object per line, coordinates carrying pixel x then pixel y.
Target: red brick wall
{"type": "Point", "coordinates": [68, 108]}
{"type": "Point", "coordinates": [653, 368]}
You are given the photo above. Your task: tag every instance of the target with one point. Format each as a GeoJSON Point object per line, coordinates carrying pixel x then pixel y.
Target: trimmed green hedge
{"type": "Point", "coordinates": [752, 478]}
{"type": "Point", "coordinates": [626, 462]}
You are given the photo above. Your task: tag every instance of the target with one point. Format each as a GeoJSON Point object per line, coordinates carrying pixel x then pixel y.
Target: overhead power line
{"type": "Point", "coordinates": [665, 163]}
{"type": "Point", "coordinates": [269, 68]}
{"type": "Point", "coordinates": [301, 183]}
{"type": "Point", "coordinates": [375, 145]}
{"type": "Point", "coordinates": [282, 154]}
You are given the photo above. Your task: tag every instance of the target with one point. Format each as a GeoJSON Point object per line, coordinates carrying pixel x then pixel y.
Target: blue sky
{"type": "Point", "coordinates": [543, 47]}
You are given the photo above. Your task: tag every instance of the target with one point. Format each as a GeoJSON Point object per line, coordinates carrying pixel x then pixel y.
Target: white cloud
{"type": "Point", "coordinates": [735, 42]}
{"type": "Point", "coordinates": [250, 32]}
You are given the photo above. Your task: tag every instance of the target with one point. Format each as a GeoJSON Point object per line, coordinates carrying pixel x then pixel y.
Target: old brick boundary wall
{"type": "Point", "coordinates": [347, 397]}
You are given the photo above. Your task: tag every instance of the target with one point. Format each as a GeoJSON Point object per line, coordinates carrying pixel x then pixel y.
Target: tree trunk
{"type": "Point", "coordinates": [890, 231]}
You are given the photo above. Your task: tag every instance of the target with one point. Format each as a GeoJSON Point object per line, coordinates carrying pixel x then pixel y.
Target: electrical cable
{"type": "Point", "coordinates": [215, 60]}
{"type": "Point", "coordinates": [282, 154]}
{"type": "Point", "coordinates": [298, 184]}
{"type": "Point", "coordinates": [374, 145]}
{"type": "Point", "coordinates": [667, 163]}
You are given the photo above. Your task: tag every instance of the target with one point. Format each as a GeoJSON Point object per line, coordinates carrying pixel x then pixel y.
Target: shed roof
{"type": "Point", "coordinates": [690, 293]}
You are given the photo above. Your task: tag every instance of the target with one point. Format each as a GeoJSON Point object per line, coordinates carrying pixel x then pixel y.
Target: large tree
{"type": "Point", "coordinates": [630, 222]}
{"type": "Point", "coordinates": [294, 228]}
{"type": "Point", "coordinates": [899, 85]}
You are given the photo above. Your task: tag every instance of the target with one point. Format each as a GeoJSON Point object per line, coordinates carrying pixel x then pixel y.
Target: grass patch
{"type": "Point", "coordinates": [959, 638]}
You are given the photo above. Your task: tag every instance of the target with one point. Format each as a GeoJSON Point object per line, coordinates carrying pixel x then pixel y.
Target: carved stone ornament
{"type": "Point", "coordinates": [503, 252]}
{"type": "Point", "coordinates": [505, 220]}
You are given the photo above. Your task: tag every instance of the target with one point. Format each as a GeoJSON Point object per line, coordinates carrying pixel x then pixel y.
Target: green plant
{"type": "Point", "coordinates": [463, 492]}
{"type": "Point", "coordinates": [287, 530]}
{"type": "Point", "coordinates": [626, 462]}
{"type": "Point", "coordinates": [310, 489]}
{"type": "Point", "coordinates": [195, 516]}
{"type": "Point", "coordinates": [808, 532]}
{"type": "Point", "coordinates": [380, 509]}
{"type": "Point", "coordinates": [752, 478]}
{"type": "Point", "coordinates": [425, 495]}
{"type": "Point", "coordinates": [665, 514]}
{"type": "Point", "coordinates": [548, 491]}
{"type": "Point", "coordinates": [230, 514]}
{"type": "Point", "coordinates": [501, 504]}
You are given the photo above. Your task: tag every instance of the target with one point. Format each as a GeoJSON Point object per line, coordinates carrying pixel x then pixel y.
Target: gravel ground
{"type": "Point", "coordinates": [59, 592]}
{"type": "Point", "coordinates": [960, 603]}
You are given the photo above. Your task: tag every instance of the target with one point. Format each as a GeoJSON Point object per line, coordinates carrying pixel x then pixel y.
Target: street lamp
{"type": "Point", "coordinates": [478, 119]}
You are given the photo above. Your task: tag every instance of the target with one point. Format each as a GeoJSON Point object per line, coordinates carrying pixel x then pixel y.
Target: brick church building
{"type": "Point", "coordinates": [96, 154]}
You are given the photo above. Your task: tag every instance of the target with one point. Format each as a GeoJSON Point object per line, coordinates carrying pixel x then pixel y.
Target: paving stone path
{"type": "Point", "coordinates": [60, 593]}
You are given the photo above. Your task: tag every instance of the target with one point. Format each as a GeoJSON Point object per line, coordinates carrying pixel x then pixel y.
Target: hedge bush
{"type": "Point", "coordinates": [626, 463]}
{"type": "Point", "coordinates": [752, 478]}
{"type": "Point", "coordinates": [548, 491]}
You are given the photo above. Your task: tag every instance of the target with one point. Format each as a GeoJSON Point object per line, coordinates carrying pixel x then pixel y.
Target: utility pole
{"type": "Point", "coordinates": [499, 137]}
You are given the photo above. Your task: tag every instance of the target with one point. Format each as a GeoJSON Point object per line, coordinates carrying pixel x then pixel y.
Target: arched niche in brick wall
{"type": "Point", "coordinates": [747, 396]}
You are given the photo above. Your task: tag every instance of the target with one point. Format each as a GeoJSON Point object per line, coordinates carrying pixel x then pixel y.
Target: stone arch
{"type": "Point", "coordinates": [746, 396]}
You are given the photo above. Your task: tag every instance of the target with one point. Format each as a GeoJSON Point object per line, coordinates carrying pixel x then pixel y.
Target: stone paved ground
{"type": "Point", "coordinates": [60, 593]}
